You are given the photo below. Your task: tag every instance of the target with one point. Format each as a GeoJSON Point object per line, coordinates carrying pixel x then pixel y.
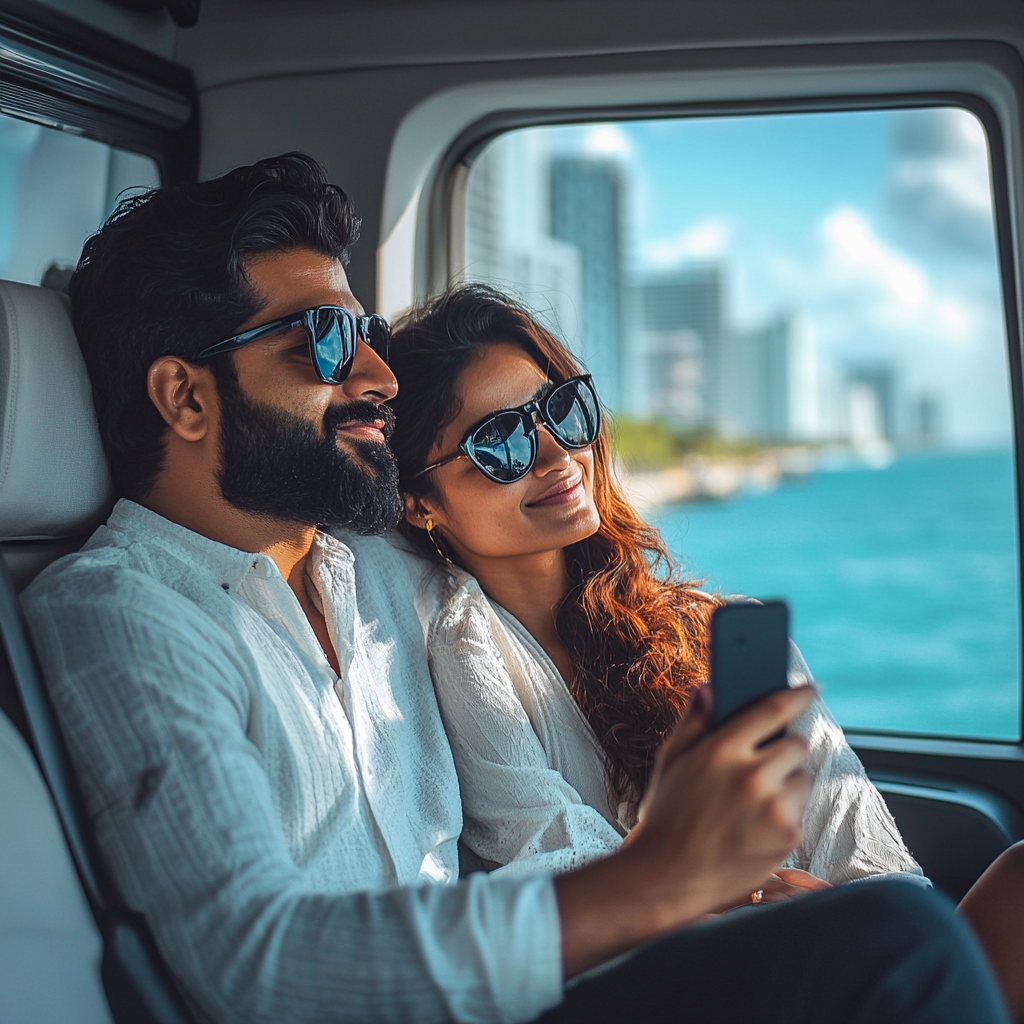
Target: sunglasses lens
{"type": "Point", "coordinates": [504, 447]}
{"type": "Point", "coordinates": [572, 413]}
{"type": "Point", "coordinates": [334, 342]}
{"type": "Point", "coordinates": [377, 334]}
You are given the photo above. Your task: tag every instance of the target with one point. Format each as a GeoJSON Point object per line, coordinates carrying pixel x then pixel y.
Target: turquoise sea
{"type": "Point", "coordinates": [902, 584]}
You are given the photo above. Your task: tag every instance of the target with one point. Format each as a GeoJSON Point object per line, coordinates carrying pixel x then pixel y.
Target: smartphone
{"type": "Point", "coordinates": [749, 655]}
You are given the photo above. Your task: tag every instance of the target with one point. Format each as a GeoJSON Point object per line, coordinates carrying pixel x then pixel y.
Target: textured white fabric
{"type": "Point", "coordinates": [534, 785]}
{"type": "Point", "coordinates": [849, 833]}
{"type": "Point", "coordinates": [283, 830]}
{"type": "Point", "coordinates": [53, 475]}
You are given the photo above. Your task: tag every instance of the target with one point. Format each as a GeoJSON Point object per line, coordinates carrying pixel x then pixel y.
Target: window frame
{"type": "Point", "coordinates": [66, 75]}
{"type": "Point", "coordinates": [995, 763]}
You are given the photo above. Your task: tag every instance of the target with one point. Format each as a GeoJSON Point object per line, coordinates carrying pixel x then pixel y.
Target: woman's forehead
{"type": "Point", "coordinates": [500, 377]}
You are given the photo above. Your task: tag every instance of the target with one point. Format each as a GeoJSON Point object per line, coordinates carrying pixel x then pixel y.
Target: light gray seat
{"type": "Point", "coordinates": [49, 947]}
{"type": "Point", "coordinates": [54, 483]}
{"type": "Point", "coordinates": [54, 487]}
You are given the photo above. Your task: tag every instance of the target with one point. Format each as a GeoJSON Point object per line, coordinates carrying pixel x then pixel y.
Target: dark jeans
{"type": "Point", "coordinates": [869, 953]}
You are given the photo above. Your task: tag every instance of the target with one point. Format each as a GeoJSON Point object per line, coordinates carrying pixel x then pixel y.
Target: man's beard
{"type": "Point", "coordinates": [276, 464]}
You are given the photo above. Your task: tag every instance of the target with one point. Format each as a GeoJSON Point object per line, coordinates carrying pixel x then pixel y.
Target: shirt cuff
{"type": "Point", "coordinates": [492, 945]}
{"type": "Point", "coordinates": [913, 877]}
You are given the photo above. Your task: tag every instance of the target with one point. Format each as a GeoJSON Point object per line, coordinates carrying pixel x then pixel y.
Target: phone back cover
{"type": "Point", "coordinates": [749, 654]}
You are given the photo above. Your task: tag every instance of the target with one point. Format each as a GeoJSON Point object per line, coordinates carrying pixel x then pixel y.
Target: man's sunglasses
{"type": "Point", "coordinates": [333, 333]}
{"type": "Point", "coordinates": [503, 446]}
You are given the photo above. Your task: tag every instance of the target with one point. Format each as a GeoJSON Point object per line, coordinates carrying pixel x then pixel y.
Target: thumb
{"type": "Point", "coordinates": [691, 726]}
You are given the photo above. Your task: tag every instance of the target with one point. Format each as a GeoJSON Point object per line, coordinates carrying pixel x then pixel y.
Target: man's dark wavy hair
{"type": "Point", "coordinates": [165, 275]}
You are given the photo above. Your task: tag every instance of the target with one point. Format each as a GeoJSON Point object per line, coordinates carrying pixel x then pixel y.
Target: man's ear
{"type": "Point", "coordinates": [418, 511]}
{"type": "Point", "coordinates": [185, 395]}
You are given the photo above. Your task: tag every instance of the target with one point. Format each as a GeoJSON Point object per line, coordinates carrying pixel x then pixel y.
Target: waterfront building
{"type": "Point", "coordinates": [769, 382]}
{"type": "Point", "coordinates": [586, 210]}
{"type": "Point", "coordinates": [872, 395]}
{"type": "Point", "coordinates": [680, 339]}
{"type": "Point", "coordinates": [508, 242]}
{"type": "Point", "coordinates": [928, 413]}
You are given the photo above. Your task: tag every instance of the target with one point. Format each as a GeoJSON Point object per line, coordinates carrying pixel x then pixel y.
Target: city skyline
{"type": "Point", "coordinates": [820, 192]}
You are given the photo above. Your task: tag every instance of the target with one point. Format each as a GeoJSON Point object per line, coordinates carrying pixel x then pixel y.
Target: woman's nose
{"type": "Point", "coordinates": [550, 454]}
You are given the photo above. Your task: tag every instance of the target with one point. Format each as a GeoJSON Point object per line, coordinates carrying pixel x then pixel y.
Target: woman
{"type": "Point", "coordinates": [563, 643]}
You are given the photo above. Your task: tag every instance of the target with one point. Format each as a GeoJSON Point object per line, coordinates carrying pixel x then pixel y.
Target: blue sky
{"type": "Point", "coordinates": [778, 173]}
{"type": "Point", "coordinates": [875, 225]}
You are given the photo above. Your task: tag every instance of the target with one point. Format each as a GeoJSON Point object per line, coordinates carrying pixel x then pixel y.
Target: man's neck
{"type": "Point", "coordinates": [199, 506]}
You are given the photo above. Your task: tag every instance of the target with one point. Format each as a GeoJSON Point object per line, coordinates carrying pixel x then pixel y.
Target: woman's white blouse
{"type": "Point", "coordinates": [532, 772]}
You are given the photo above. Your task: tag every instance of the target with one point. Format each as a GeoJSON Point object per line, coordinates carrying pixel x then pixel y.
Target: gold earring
{"type": "Point", "coordinates": [429, 526]}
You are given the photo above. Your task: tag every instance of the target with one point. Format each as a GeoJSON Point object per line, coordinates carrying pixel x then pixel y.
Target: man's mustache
{"type": "Point", "coordinates": [359, 412]}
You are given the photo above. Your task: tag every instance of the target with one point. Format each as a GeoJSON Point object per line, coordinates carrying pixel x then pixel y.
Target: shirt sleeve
{"type": "Point", "coordinates": [518, 811]}
{"type": "Point", "coordinates": [154, 709]}
{"type": "Point", "coordinates": [849, 833]}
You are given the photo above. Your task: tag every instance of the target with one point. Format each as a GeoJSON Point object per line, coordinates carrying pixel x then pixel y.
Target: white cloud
{"type": "Point", "coordinates": [957, 319]}
{"type": "Point", "coordinates": [861, 291]}
{"type": "Point", "coordinates": [939, 186]}
{"type": "Point", "coordinates": [708, 239]}
{"type": "Point", "coordinates": [856, 257]}
{"type": "Point", "coordinates": [604, 140]}
{"type": "Point", "coordinates": [896, 291]}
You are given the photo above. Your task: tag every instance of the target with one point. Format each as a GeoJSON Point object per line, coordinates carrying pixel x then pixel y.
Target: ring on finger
{"type": "Point", "coordinates": [757, 896]}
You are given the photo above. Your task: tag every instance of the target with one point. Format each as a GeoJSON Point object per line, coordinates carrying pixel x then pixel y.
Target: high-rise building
{"type": "Point", "coordinates": [928, 421]}
{"type": "Point", "coordinates": [680, 340]}
{"type": "Point", "coordinates": [508, 242]}
{"type": "Point", "coordinates": [873, 387]}
{"type": "Point", "coordinates": [586, 210]}
{"type": "Point", "coordinates": [769, 382]}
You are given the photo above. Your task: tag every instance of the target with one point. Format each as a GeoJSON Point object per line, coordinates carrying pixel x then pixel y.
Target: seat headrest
{"type": "Point", "coordinates": [54, 480]}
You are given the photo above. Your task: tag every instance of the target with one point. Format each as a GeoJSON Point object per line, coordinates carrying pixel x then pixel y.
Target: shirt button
{"type": "Point", "coordinates": [224, 586]}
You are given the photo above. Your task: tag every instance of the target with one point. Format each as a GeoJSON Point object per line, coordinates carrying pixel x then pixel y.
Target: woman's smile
{"type": "Point", "coordinates": [563, 492]}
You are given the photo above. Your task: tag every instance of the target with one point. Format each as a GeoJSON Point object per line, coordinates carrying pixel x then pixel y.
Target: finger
{"type": "Point", "coordinates": [786, 810]}
{"type": "Point", "coordinates": [803, 879]}
{"type": "Point", "coordinates": [769, 715]}
{"type": "Point", "coordinates": [776, 892]}
{"type": "Point", "coordinates": [691, 726]}
{"type": "Point", "coordinates": [780, 760]}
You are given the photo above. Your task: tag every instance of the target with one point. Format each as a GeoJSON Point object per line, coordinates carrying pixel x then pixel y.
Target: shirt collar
{"type": "Point", "coordinates": [229, 565]}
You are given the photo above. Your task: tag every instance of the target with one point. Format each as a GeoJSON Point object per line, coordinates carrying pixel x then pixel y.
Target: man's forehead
{"type": "Point", "coordinates": [298, 279]}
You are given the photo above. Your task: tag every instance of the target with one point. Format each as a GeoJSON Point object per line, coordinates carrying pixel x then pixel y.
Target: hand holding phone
{"type": "Point", "coordinates": [749, 655]}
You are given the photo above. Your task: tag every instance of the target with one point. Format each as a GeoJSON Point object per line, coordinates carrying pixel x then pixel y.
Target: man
{"type": "Point", "coordinates": [248, 703]}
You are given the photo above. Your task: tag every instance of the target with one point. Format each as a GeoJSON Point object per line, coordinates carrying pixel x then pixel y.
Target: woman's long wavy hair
{"type": "Point", "coordinates": [635, 629]}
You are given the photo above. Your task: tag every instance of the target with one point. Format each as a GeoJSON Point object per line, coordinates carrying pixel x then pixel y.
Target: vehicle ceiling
{"type": "Point", "coordinates": [337, 78]}
{"type": "Point", "coordinates": [239, 39]}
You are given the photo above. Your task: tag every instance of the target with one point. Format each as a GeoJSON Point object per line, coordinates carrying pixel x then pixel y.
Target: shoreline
{"type": "Point", "coordinates": [719, 477]}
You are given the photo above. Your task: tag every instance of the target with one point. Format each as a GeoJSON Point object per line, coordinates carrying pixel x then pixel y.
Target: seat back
{"type": "Point", "coordinates": [54, 483]}
{"type": "Point", "coordinates": [50, 947]}
{"type": "Point", "coordinates": [54, 488]}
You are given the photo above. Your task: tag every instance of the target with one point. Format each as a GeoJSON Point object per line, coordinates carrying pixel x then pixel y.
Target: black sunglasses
{"type": "Point", "coordinates": [503, 445]}
{"type": "Point", "coordinates": [333, 333]}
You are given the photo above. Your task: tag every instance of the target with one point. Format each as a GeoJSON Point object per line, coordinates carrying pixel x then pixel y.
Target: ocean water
{"type": "Point", "coordinates": [902, 584]}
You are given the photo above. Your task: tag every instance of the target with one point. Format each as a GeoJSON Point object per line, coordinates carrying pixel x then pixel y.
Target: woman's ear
{"type": "Point", "coordinates": [184, 396]}
{"type": "Point", "coordinates": [418, 511]}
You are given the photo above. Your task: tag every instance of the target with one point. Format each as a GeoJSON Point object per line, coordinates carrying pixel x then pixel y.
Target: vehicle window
{"type": "Point", "coordinates": [56, 188]}
{"type": "Point", "coordinates": [797, 323]}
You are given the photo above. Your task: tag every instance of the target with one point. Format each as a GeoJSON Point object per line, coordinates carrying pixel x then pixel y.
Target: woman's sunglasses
{"type": "Point", "coordinates": [503, 446]}
{"type": "Point", "coordinates": [333, 333]}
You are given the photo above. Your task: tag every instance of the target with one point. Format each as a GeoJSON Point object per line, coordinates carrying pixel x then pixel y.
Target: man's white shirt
{"type": "Point", "coordinates": [290, 834]}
